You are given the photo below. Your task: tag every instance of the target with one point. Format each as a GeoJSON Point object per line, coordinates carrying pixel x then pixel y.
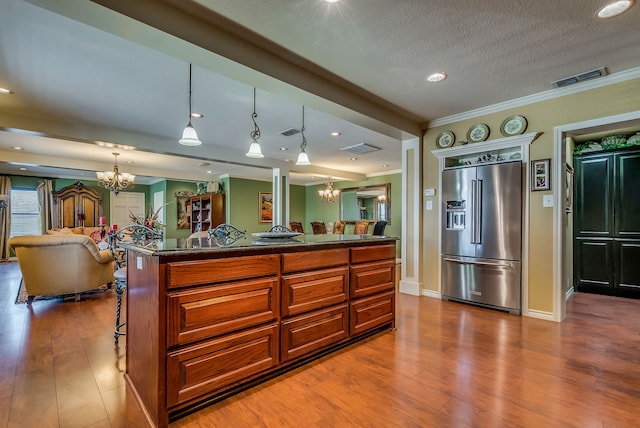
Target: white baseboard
{"type": "Point", "coordinates": [569, 293]}
{"type": "Point", "coordinates": [431, 293]}
{"type": "Point", "coordinates": [410, 287]}
{"type": "Point", "coordinates": [532, 313]}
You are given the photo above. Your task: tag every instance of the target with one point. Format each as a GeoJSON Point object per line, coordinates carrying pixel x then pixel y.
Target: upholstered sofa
{"type": "Point", "coordinates": [92, 232]}
{"type": "Point", "coordinates": [61, 264]}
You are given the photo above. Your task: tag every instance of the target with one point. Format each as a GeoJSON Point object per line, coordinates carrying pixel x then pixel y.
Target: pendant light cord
{"type": "Point", "coordinates": [255, 134]}
{"type": "Point", "coordinates": [304, 140]}
{"type": "Point", "coordinates": [189, 93]}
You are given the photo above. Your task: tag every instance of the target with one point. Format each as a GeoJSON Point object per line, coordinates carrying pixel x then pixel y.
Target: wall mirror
{"type": "Point", "coordinates": [366, 203]}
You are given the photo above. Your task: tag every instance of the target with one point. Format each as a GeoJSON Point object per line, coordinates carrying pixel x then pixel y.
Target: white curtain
{"type": "Point", "coordinates": [5, 217]}
{"type": "Point", "coordinates": [45, 199]}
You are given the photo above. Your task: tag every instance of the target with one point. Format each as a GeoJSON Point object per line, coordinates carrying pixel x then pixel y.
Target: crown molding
{"type": "Point", "coordinates": [540, 96]}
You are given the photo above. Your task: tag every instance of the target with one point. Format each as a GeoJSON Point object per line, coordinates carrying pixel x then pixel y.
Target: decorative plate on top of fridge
{"type": "Point", "coordinates": [513, 125]}
{"type": "Point", "coordinates": [445, 139]}
{"type": "Point", "coordinates": [478, 132]}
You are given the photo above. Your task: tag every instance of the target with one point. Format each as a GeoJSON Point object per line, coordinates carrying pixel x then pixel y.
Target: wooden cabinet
{"type": "Point", "coordinates": [606, 223]}
{"type": "Point", "coordinates": [77, 206]}
{"type": "Point", "coordinates": [202, 326]}
{"type": "Point", "coordinates": [207, 211]}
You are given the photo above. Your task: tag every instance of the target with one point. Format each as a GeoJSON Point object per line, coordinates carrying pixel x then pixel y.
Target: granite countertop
{"type": "Point", "coordinates": [183, 246]}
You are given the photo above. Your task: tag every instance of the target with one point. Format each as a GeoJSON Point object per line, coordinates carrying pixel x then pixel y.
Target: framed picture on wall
{"type": "Point", "coordinates": [540, 174]}
{"type": "Point", "coordinates": [265, 207]}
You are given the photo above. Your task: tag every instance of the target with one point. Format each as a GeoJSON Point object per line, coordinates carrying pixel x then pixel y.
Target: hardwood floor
{"type": "Point", "coordinates": [447, 364]}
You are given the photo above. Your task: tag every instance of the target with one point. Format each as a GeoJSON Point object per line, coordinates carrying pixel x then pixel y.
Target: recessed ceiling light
{"type": "Point", "coordinates": [197, 115]}
{"type": "Point", "coordinates": [23, 169]}
{"type": "Point", "coordinates": [386, 165]}
{"type": "Point", "coordinates": [336, 134]}
{"type": "Point", "coordinates": [6, 91]}
{"type": "Point", "coordinates": [130, 162]}
{"type": "Point", "coordinates": [436, 77]}
{"type": "Point", "coordinates": [284, 149]}
{"type": "Point", "coordinates": [614, 8]}
{"type": "Point", "coordinates": [354, 158]}
{"type": "Point", "coordinates": [17, 148]}
{"type": "Point", "coordinates": [332, 1]}
{"type": "Point", "coordinates": [204, 164]}
{"type": "Point", "coordinates": [209, 172]}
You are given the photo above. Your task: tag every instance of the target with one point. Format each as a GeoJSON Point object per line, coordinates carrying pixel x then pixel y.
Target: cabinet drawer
{"type": "Point", "coordinates": [205, 368]}
{"type": "Point", "coordinates": [307, 260]}
{"type": "Point", "coordinates": [370, 312]}
{"type": "Point", "coordinates": [303, 292]}
{"type": "Point", "coordinates": [214, 310]}
{"type": "Point", "coordinates": [374, 252]}
{"type": "Point", "coordinates": [371, 278]}
{"type": "Point", "coordinates": [183, 274]}
{"type": "Point", "coordinates": [306, 333]}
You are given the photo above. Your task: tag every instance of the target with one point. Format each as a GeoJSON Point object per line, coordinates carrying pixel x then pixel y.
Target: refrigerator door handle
{"type": "Point", "coordinates": [472, 210]}
{"type": "Point", "coordinates": [477, 215]}
{"type": "Point", "coordinates": [466, 262]}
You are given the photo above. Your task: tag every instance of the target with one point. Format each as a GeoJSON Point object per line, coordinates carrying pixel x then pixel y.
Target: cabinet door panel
{"type": "Point", "coordinates": [203, 369]}
{"type": "Point", "coordinates": [308, 291]}
{"type": "Point", "coordinates": [594, 263]}
{"type": "Point", "coordinates": [371, 312]}
{"type": "Point", "coordinates": [212, 311]}
{"type": "Point", "coordinates": [310, 332]}
{"type": "Point", "coordinates": [594, 209]}
{"type": "Point", "coordinates": [629, 265]}
{"type": "Point", "coordinates": [627, 195]}
{"type": "Point", "coordinates": [371, 278]}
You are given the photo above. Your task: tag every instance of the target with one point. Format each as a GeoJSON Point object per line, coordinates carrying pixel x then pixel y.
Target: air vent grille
{"type": "Point", "coordinates": [360, 149]}
{"type": "Point", "coordinates": [289, 132]}
{"type": "Point", "coordinates": [600, 72]}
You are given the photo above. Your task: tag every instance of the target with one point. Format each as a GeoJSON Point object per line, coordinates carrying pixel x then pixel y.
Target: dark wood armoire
{"type": "Point", "coordinates": [77, 205]}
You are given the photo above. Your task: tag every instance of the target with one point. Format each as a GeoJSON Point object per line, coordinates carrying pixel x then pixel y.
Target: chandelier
{"type": "Point", "coordinates": [329, 194]}
{"type": "Point", "coordinates": [115, 180]}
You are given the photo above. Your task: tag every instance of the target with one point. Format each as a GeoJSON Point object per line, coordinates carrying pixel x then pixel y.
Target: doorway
{"type": "Point", "coordinates": [123, 204]}
{"type": "Point", "coordinates": [564, 137]}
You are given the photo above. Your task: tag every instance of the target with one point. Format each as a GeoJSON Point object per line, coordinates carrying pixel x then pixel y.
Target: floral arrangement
{"type": "Point", "coordinates": [151, 220]}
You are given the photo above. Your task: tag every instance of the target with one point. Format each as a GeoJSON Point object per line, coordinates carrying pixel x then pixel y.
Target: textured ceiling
{"type": "Point", "coordinates": [82, 73]}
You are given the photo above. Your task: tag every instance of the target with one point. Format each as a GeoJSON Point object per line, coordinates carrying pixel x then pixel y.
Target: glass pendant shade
{"type": "Point", "coordinates": [303, 159]}
{"type": "Point", "coordinates": [254, 151]}
{"type": "Point", "coordinates": [189, 136]}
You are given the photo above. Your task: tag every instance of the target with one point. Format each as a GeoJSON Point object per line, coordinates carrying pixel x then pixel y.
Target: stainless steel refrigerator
{"type": "Point", "coordinates": [482, 235]}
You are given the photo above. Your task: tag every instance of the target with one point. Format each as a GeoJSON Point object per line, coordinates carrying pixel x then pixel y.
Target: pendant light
{"type": "Point", "coordinates": [254, 149]}
{"type": "Point", "coordinates": [303, 158]}
{"type": "Point", "coordinates": [189, 135]}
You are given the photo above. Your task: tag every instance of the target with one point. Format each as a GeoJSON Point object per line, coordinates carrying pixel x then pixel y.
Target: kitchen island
{"type": "Point", "coordinates": [206, 319]}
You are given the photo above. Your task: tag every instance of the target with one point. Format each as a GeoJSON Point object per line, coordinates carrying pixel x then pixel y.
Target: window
{"type": "Point", "coordinates": [25, 213]}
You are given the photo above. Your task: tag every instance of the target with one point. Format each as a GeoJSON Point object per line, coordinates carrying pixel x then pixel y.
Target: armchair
{"type": "Point", "coordinates": [61, 264]}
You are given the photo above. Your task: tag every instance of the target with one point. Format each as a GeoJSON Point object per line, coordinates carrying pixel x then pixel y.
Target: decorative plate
{"type": "Point", "coordinates": [445, 139]}
{"type": "Point", "coordinates": [275, 235]}
{"type": "Point", "coordinates": [513, 125]}
{"type": "Point", "coordinates": [478, 132]}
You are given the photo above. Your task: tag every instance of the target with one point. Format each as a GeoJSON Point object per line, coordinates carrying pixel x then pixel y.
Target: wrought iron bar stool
{"type": "Point", "coordinates": [134, 233]}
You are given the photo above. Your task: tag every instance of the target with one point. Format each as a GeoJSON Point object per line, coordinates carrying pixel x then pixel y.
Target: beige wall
{"type": "Point", "coordinates": [541, 117]}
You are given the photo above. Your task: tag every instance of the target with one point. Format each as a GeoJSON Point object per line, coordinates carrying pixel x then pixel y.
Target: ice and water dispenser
{"type": "Point", "coordinates": [456, 215]}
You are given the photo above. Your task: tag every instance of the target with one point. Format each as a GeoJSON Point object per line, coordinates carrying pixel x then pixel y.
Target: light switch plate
{"type": "Point", "coordinates": [139, 263]}
{"type": "Point", "coordinates": [547, 201]}
{"type": "Point", "coordinates": [428, 205]}
{"type": "Point", "coordinates": [429, 192]}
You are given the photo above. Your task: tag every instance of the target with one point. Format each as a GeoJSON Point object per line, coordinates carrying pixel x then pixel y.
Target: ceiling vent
{"type": "Point", "coordinates": [360, 149]}
{"type": "Point", "coordinates": [289, 132]}
{"type": "Point", "coordinates": [600, 72]}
